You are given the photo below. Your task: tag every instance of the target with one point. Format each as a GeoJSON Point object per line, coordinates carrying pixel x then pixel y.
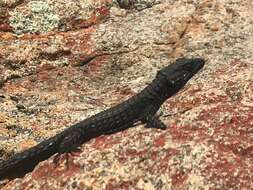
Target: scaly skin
{"type": "Point", "coordinates": [141, 107]}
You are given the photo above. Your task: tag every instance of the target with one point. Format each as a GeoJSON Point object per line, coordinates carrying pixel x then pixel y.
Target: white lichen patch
{"type": "Point", "coordinates": [137, 4]}
{"type": "Point", "coordinates": [195, 182]}
{"type": "Point", "coordinates": [7, 2]}
{"type": "Point", "coordinates": [38, 17]}
{"type": "Point", "coordinates": [73, 9]}
{"type": "Point", "coordinates": [89, 6]}
{"type": "Point", "coordinates": [145, 185]}
{"type": "Point", "coordinates": [190, 118]}
{"type": "Point", "coordinates": [191, 157]}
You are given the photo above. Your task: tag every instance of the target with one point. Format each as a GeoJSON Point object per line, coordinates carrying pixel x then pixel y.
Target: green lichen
{"type": "Point", "coordinates": [2, 3]}
{"type": "Point", "coordinates": [39, 17]}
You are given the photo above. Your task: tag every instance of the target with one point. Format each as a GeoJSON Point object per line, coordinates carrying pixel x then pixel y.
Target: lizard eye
{"type": "Point", "coordinates": [172, 83]}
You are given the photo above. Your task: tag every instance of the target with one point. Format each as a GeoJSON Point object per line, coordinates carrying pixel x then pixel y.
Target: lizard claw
{"type": "Point", "coordinates": [155, 122]}
{"type": "Point", "coordinates": [67, 155]}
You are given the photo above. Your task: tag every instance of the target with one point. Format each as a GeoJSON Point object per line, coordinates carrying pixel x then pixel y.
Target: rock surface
{"type": "Point", "coordinates": [63, 61]}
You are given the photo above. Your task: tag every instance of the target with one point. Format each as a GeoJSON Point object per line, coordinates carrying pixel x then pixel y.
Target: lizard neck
{"type": "Point", "coordinates": [159, 90]}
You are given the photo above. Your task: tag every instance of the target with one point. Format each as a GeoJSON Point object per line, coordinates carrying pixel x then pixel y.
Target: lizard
{"type": "Point", "coordinates": [141, 107]}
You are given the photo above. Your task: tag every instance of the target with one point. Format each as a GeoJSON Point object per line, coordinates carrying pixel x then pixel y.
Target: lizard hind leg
{"type": "Point", "coordinates": [68, 148]}
{"type": "Point", "coordinates": [58, 157]}
{"type": "Point", "coordinates": [154, 122]}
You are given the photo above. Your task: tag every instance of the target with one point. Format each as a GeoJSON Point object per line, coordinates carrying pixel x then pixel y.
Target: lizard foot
{"type": "Point", "coordinates": [66, 156]}
{"type": "Point", "coordinates": [155, 122]}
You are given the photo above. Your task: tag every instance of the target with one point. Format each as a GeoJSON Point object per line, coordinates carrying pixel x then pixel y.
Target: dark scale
{"type": "Point", "coordinates": [141, 107]}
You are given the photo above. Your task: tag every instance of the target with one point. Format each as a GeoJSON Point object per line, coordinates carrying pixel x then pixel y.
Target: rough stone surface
{"type": "Point", "coordinates": [63, 61]}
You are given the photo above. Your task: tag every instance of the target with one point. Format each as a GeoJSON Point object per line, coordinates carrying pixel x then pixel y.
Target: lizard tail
{"type": "Point", "coordinates": [25, 162]}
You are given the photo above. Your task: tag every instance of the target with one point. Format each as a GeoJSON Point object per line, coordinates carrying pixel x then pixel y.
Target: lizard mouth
{"type": "Point", "coordinates": [193, 68]}
{"type": "Point", "coordinates": [199, 63]}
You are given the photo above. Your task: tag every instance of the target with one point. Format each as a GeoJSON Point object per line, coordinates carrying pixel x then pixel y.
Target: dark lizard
{"type": "Point", "coordinates": [141, 107]}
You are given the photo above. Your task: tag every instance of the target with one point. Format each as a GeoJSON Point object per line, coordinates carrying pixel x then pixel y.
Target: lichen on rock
{"type": "Point", "coordinates": [37, 17]}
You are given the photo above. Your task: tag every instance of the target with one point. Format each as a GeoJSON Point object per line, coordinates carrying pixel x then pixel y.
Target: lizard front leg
{"type": "Point", "coordinates": [68, 147]}
{"type": "Point", "coordinates": [153, 121]}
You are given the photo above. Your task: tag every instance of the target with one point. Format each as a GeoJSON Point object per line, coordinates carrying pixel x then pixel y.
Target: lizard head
{"type": "Point", "coordinates": [178, 73]}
